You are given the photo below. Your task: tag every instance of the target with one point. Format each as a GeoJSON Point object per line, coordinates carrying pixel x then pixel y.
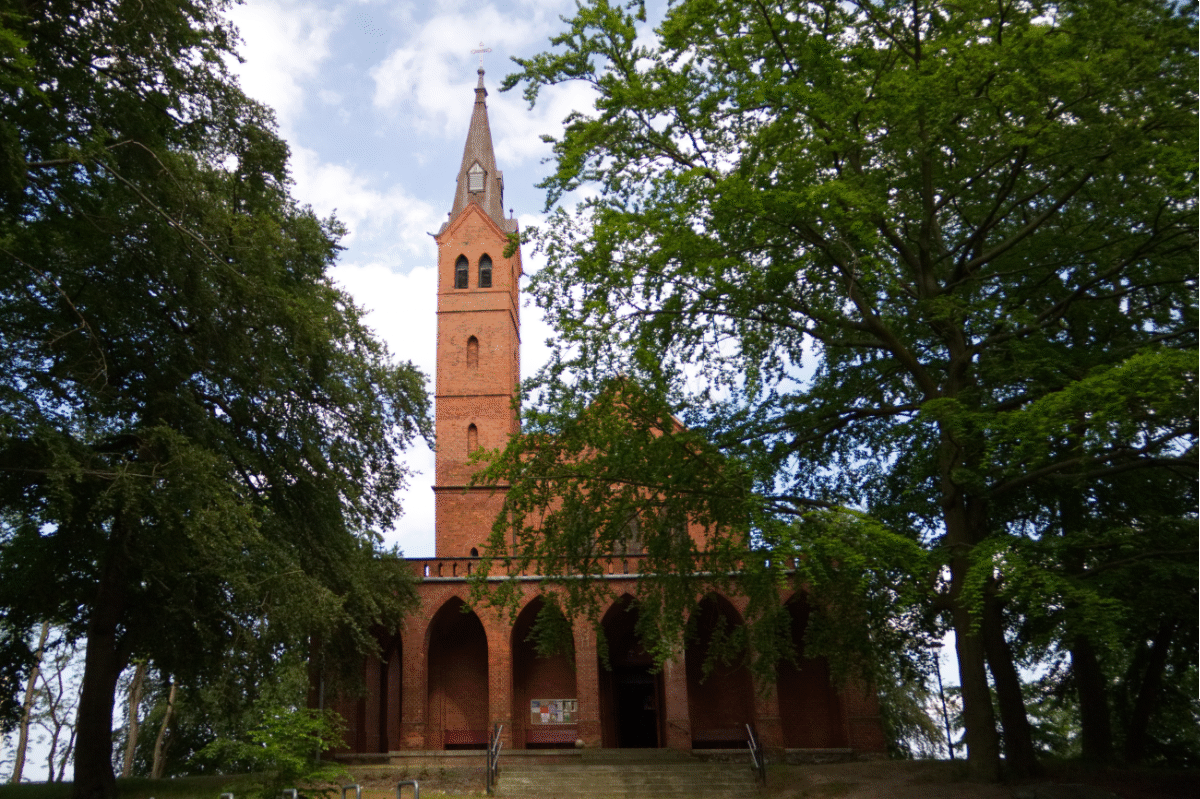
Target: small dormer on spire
{"type": "Point", "coordinates": [479, 181]}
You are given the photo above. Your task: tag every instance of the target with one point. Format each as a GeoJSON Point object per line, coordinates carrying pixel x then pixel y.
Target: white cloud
{"type": "Point", "coordinates": [429, 78]}
{"type": "Point", "coordinates": [402, 310]}
{"type": "Point", "coordinates": [393, 219]}
{"type": "Point", "coordinates": [283, 45]}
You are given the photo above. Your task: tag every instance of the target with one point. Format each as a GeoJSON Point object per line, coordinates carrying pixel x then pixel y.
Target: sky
{"type": "Point", "coordinates": [374, 99]}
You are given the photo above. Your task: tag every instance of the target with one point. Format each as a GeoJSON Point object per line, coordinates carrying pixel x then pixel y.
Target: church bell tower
{"type": "Point", "coordinates": [478, 342]}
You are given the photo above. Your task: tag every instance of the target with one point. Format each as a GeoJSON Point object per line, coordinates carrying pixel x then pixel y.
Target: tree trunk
{"type": "Point", "coordinates": [160, 758]}
{"type": "Point", "coordinates": [103, 664]}
{"type": "Point", "coordinates": [1019, 755]}
{"type": "Point", "coordinates": [979, 723]}
{"type": "Point", "coordinates": [965, 527]}
{"type": "Point", "coordinates": [1147, 696]}
{"type": "Point", "coordinates": [62, 763]}
{"type": "Point", "coordinates": [135, 700]}
{"type": "Point", "coordinates": [27, 707]}
{"type": "Point", "coordinates": [1095, 722]}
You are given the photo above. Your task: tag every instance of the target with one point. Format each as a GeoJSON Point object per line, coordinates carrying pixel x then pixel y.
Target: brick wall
{"type": "Point", "coordinates": [478, 369]}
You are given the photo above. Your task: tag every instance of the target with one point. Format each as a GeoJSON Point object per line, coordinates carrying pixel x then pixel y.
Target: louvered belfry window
{"type": "Point", "coordinates": [475, 178]}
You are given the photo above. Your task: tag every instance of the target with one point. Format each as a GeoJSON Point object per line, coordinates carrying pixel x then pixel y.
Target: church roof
{"type": "Point", "coordinates": [478, 156]}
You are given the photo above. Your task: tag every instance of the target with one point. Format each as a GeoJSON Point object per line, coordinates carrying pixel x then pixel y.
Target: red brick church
{"type": "Point", "coordinates": [446, 677]}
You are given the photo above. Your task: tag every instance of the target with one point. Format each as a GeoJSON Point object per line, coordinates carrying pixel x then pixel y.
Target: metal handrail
{"type": "Point", "coordinates": [493, 758]}
{"type": "Point", "coordinates": [355, 787]}
{"type": "Point", "coordinates": [758, 761]}
{"type": "Point", "coordinates": [413, 783]}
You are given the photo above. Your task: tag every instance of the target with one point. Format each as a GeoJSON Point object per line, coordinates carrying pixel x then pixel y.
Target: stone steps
{"type": "Point", "coordinates": [626, 774]}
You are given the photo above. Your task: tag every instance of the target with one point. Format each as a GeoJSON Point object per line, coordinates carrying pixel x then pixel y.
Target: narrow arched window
{"type": "Point", "coordinates": [472, 353]}
{"type": "Point", "coordinates": [461, 266]}
{"type": "Point", "coordinates": [485, 272]}
{"type": "Point", "coordinates": [472, 439]}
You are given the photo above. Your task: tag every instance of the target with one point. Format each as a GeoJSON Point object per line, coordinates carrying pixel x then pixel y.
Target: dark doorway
{"type": "Point", "coordinates": [636, 704]}
{"type": "Point", "coordinates": [390, 685]}
{"type": "Point", "coordinates": [631, 690]}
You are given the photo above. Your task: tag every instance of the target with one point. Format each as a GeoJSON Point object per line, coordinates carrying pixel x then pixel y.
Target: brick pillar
{"type": "Point", "coordinates": [863, 724]}
{"type": "Point", "coordinates": [394, 694]}
{"type": "Point", "coordinates": [414, 679]}
{"type": "Point", "coordinates": [500, 676]}
{"type": "Point", "coordinates": [587, 684]}
{"type": "Point", "coordinates": [678, 720]}
{"type": "Point", "coordinates": [372, 701]}
{"type": "Point", "coordinates": [768, 724]}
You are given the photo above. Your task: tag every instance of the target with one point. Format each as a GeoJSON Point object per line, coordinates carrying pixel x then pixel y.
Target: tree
{"type": "Point", "coordinates": [199, 439]}
{"type": "Point", "coordinates": [27, 706]}
{"type": "Point", "coordinates": [58, 702]}
{"type": "Point", "coordinates": [242, 720]}
{"type": "Point", "coordinates": [928, 260]}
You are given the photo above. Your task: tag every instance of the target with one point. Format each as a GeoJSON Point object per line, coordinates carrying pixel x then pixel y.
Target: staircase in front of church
{"type": "Point", "coordinates": [625, 774]}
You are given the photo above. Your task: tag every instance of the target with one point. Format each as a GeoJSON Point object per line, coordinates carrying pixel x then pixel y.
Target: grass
{"type": "Point", "coordinates": [207, 787]}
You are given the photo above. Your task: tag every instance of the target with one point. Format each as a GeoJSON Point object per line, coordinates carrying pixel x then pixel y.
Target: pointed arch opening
{"type": "Point", "coordinates": [631, 689]}
{"type": "Point", "coordinates": [462, 269]}
{"type": "Point", "coordinates": [458, 679]}
{"type": "Point", "coordinates": [472, 354]}
{"type": "Point", "coordinates": [485, 272]}
{"type": "Point", "coordinates": [720, 689]}
{"type": "Point", "coordinates": [472, 438]}
{"type": "Point", "coordinates": [545, 700]}
{"type": "Point", "coordinates": [384, 681]}
{"type": "Point", "coordinates": [809, 706]}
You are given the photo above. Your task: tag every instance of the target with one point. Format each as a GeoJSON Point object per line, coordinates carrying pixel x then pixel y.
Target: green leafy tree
{"type": "Point", "coordinates": [228, 726]}
{"type": "Point", "coordinates": [929, 260]}
{"type": "Point", "coordinates": [198, 437]}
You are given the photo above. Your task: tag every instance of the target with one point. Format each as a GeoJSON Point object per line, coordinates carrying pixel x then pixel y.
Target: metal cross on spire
{"type": "Point", "coordinates": [481, 51]}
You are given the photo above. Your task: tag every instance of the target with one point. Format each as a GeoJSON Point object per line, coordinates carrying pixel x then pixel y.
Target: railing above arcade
{"type": "Point", "coordinates": [461, 568]}
{"type": "Point", "coordinates": [466, 567]}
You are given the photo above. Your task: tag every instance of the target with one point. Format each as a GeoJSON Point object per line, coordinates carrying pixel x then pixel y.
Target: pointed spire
{"type": "Point", "coordinates": [478, 179]}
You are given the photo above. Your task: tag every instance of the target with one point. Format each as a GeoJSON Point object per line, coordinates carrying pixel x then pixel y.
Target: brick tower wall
{"type": "Point", "coordinates": [478, 370]}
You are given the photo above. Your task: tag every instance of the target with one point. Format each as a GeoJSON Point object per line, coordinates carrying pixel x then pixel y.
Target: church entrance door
{"type": "Point", "coordinates": [631, 692]}
{"type": "Point", "coordinates": [636, 703]}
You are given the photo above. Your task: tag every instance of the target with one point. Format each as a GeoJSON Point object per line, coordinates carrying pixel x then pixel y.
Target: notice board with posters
{"type": "Point", "coordinates": [553, 711]}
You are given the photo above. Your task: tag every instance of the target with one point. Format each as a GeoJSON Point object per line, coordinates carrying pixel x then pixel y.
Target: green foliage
{"type": "Point", "coordinates": [932, 264]}
{"type": "Point", "coordinates": [281, 749]}
{"type": "Point", "coordinates": [551, 633]}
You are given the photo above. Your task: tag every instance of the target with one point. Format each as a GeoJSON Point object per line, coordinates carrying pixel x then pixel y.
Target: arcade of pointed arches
{"type": "Point", "coordinates": [461, 674]}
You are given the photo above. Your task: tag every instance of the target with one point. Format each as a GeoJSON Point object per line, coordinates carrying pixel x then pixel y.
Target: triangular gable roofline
{"type": "Point", "coordinates": [453, 225]}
